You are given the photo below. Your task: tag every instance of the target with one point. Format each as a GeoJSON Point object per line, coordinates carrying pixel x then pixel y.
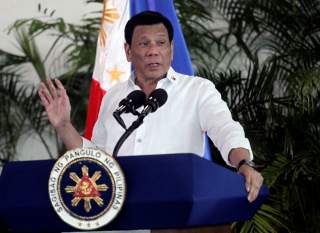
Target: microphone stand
{"type": "Point", "coordinates": [119, 119]}
{"type": "Point", "coordinates": [156, 99]}
{"type": "Point", "coordinates": [127, 133]}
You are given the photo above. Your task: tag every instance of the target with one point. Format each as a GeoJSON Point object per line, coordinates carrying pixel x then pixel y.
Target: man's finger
{"type": "Point", "coordinates": [59, 84]}
{"type": "Point", "coordinates": [44, 94]}
{"type": "Point", "coordinates": [43, 99]}
{"type": "Point", "coordinates": [61, 91]}
{"type": "Point", "coordinates": [248, 182]}
{"type": "Point", "coordinates": [52, 89]}
{"type": "Point", "coordinates": [255, 187]}
{"type": "Point", "coordinates": [253, 194]}
{"type": "Point", "coordinates": [61, 88]}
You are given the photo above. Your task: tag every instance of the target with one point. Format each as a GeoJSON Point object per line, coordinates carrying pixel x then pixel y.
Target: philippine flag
{"type": "Point", "coordinates": [111, 65]}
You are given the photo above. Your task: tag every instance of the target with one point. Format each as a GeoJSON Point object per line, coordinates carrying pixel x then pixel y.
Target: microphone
{"type": "Point", "coordinates": [133, 101]}
{"type": "Point", "coordinates": [156, 99]}
{"type": "Point", "coordinates": [129, 104]}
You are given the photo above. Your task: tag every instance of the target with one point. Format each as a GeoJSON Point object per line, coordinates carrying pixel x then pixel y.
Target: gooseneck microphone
{"type": "Point", "coordinates": [156, 99]}
{"type": "Point", "coordinates": [129, 104]}
{"type": "Point", "coordinates": [133, 101]}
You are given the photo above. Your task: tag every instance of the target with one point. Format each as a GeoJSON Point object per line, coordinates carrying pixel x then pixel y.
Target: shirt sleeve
{"type": "Point", "coordinates": [215, 118]}
{"type": "Point", "coordinates": [87, 143]}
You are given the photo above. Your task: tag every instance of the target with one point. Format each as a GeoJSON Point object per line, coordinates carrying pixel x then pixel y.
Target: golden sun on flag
{"type": "Point", "coordinates": [86, 188]}
{"type": "Point", "coordinates": [110, 15]}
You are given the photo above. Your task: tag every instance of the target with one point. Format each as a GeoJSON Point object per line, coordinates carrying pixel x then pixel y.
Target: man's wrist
{"type": "Point", "coordinates": [63, 126]}
{"type": "Point", "coordinates": [236, 155]}
{"type": "Point", "coordinates": [245, 162]}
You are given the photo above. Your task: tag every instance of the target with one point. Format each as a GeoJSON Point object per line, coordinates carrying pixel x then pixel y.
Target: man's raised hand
{"type": "Point", "coordinates": [56, 102]}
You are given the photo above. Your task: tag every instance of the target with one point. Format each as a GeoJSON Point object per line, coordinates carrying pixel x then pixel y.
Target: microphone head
{"type": "Point", "coordinates": [156, 99]}
{"type": "Point", "coordinates": [133, 101]}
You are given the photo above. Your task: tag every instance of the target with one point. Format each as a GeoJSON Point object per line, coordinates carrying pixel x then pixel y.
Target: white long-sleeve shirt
{"type": "Point", "coordinates": [194, 106]}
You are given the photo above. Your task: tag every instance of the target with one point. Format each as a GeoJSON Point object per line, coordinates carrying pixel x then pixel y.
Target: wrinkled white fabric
{"type": "Point", "coordinates": [194, 106]}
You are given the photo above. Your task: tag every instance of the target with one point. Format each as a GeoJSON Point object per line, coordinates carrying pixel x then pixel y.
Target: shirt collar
{"type": "Point", "coordinates": [171, 75]}
{"type": "Point", "coordinates": [169, 78]}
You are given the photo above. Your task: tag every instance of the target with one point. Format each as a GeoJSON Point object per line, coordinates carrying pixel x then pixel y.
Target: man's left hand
{"type": "Point", "coordinates": [253, 181]}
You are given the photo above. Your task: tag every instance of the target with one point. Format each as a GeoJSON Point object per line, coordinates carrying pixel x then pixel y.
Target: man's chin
{"type": "Point", "coordinates": [156, 75]}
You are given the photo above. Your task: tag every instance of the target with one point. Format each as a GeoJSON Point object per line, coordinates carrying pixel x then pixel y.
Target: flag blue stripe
{"type": "Point", "coordinates": [152, 5]}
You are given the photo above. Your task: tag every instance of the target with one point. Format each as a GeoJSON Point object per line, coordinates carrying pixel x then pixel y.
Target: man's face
{"type": "Point", "coordinates": [150, 52]}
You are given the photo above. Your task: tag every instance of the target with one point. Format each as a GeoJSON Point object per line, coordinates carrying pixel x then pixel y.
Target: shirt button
{"type": "Point", "coordinates": [139, 140]}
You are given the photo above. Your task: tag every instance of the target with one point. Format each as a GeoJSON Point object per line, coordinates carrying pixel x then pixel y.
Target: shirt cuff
{"type": "Point", "coordinates": [87, 143]}
{"type": "Point", "coordinates": [233, 145]}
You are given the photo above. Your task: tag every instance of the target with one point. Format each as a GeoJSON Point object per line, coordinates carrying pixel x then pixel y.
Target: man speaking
{"type": "Point", "coordinates": [193, 107]}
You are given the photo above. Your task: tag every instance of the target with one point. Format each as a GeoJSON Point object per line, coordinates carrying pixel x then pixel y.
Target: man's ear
{"type": "Point", "coordinates": [127, 50]}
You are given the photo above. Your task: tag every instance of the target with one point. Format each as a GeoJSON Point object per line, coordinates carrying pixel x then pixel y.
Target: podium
{"type": "Point", "coordinates": [163, 191]}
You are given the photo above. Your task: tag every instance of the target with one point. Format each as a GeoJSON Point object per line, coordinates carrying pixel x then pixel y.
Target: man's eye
{"type": "Point", "coordinates": [143, 44]}
{"type": "Point", "coordinates": [161, 42]}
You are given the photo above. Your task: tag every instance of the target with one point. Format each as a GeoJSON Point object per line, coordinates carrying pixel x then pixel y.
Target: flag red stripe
{"type": "Point", "coordinates": [95, 98]}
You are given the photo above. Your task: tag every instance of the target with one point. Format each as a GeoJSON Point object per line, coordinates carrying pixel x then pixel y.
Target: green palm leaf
{"type": "Point", "coordinates": [21, 112]}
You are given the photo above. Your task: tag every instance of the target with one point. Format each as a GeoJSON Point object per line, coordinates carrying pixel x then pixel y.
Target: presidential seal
{"type": "Point", "coordinates": [87, 188]}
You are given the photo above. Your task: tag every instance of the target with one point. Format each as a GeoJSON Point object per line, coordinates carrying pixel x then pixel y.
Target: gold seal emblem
{"type": "Point", "coordinates": [87, 188]}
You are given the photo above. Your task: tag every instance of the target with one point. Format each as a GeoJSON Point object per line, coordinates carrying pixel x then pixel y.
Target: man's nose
{"type": "Point", "coordinates": [153, 49]}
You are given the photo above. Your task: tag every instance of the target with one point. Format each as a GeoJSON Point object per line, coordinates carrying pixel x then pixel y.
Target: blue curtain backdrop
{"type": "Point", "coordinates": [181, 58]}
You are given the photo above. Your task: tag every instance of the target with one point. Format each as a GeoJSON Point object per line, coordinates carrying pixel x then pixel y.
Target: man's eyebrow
{"type": "Point", "coordinates": [162, 34]}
